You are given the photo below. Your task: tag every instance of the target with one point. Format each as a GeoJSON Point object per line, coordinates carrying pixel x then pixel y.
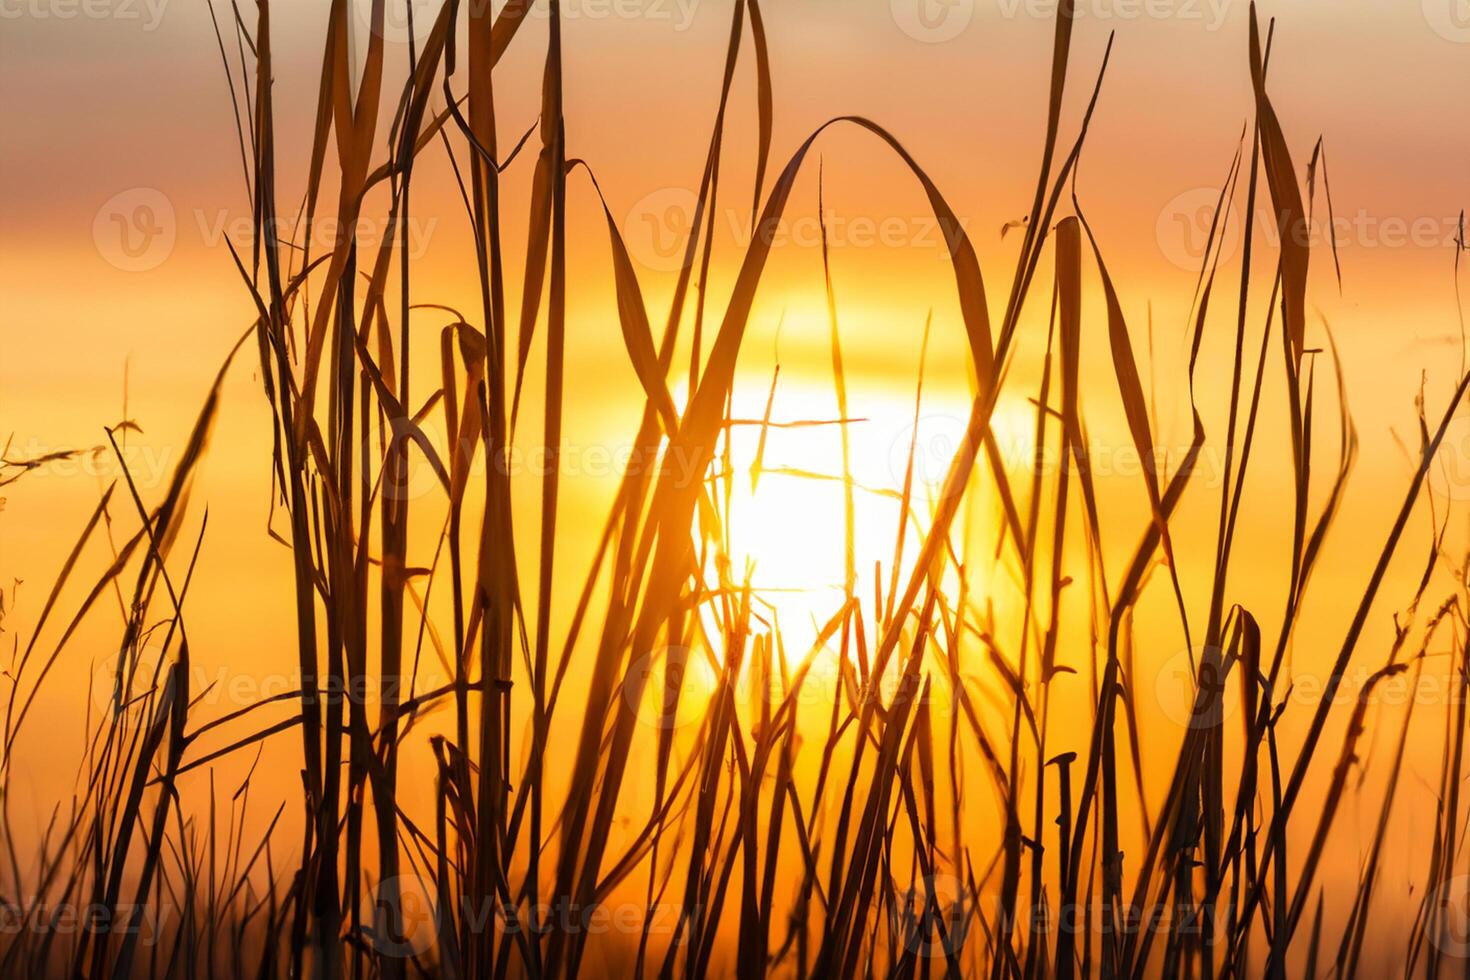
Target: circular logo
{"type": "Point", "coordinates": [1452, 901]}
{"type": "Point", "coordinates": [657, 228]}
{"type": "Point", "coordinates": [1450, 19]}
{"type": "Point", "coordinates": [121, 683]}
{"type": "Point", "coordinates": [135, 230]}
{"type": "Point", "coordinates": [1177, 686]}
{"type": "Point", "coordinates": [933, 440]}
{"type": "Point", "coordinates": [670, 687]}
{"type": "Point", "coordinates": [932, 21]}
{"type": "Point", "coordinates": [404, 917]}
{"type": "Point", "coordinates": [398, 16]}
{"type": "Point", "coordinates": [1449, 474]}
{"type": "Point", "coordinates": [936, 916]}
{"type": "Point", "coordinates": [418, 478]}
{"type": "Point", "coordinates": [1183, 228]}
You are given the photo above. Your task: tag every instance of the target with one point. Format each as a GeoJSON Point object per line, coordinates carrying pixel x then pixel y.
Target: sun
{"type": "Point", "coordinates": [787, 515]}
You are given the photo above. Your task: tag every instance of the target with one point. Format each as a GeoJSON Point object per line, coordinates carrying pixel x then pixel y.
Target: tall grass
{"type": "Point", "coordinates": [755, 836]}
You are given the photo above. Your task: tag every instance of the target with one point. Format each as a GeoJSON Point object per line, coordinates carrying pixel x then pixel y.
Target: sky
{"type": "Point", "coordinates": [120, 178]}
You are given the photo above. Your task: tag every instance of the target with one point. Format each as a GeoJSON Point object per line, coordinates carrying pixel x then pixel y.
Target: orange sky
{"type": "Point", "coordinates": [103, 113]}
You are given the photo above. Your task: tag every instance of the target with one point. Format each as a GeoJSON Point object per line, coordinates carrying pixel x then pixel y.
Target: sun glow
{"type": "Point", "coordinates": [787, 513]}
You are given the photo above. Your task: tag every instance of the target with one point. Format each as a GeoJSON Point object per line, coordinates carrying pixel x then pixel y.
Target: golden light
{"type": "Point", "coordinates": [787, 509]}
